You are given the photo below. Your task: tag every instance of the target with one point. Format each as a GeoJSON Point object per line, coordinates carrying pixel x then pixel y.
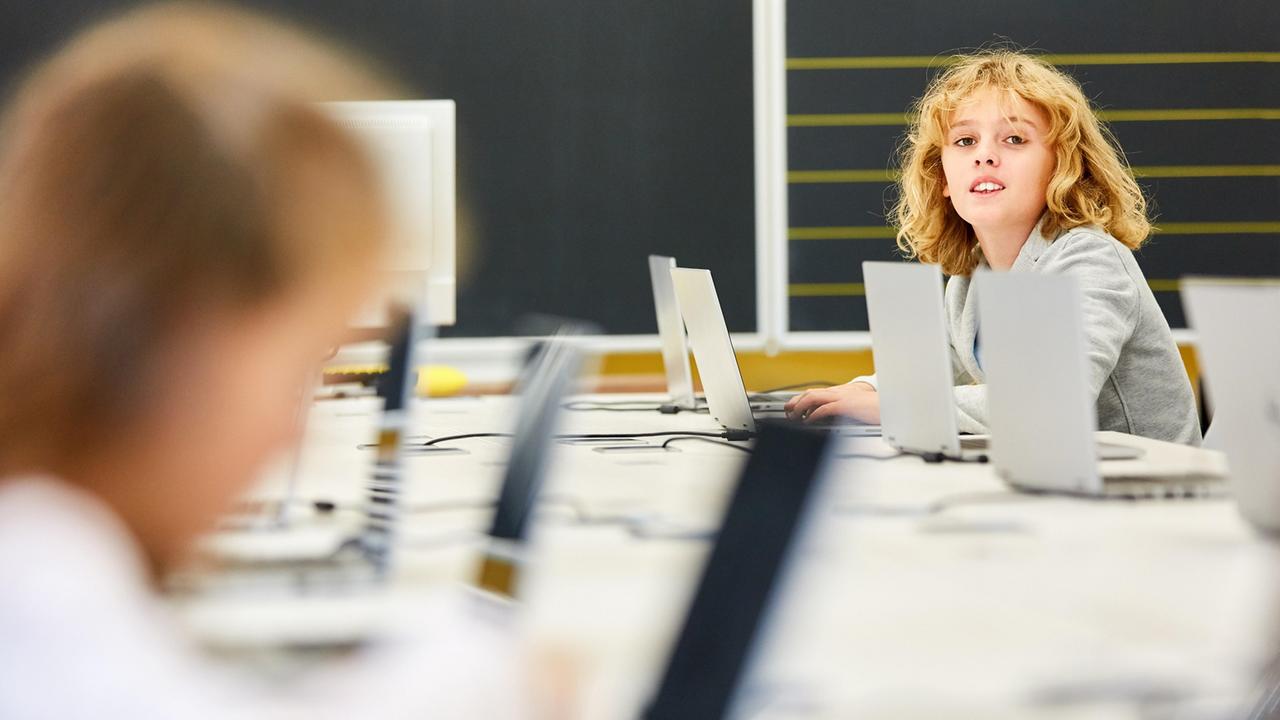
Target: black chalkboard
{"type": "Point", "coordinates": [1195, 102]}
{"type": "Point", "coordinates": [590, 134]}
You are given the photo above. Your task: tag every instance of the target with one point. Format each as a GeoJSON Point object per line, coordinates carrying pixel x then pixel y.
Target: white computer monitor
{"type": "Point", "coordinates": [412, 144]}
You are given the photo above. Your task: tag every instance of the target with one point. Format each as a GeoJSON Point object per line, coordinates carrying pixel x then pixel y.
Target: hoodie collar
{"type": "Point", "coordinates": [1035, 246]}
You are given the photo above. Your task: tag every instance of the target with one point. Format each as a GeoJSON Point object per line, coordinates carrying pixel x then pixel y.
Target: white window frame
{"type": "Point", "coordinates": [772, 252]}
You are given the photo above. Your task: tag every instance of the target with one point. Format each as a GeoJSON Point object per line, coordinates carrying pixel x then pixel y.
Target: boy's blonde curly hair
{"type": "Point", "coordinates": [1091, 182]}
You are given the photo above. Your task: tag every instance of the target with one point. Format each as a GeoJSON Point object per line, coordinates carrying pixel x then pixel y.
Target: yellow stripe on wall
{"type": "Point", "coordinates": [1197, 171]}
{"type": "Point", "coordinates": [811, 177]}
{"type": "Point", "coordinates": [1217, 228]}
{"type": "Point", "coordinates": [1152, 115]}
{"type": "Point", "coordinates": [826, 289]}
{"type": "Point", "coordinates": [874, 232]}
{"type": "Point", "coordinates": [847, 120]}
{"type": "Point", "coordinates": [761, 371]}
{"type": "Point", "coordinates": [862, 232]}
{"type": "Point", "coordinates": [891, 62]}
{"type": "Point", "coordinates": [841, 176]}
{"type": "Point", "coordinates": [858, 289]}
{"type": "Point", "coordinates": [1190, 114]}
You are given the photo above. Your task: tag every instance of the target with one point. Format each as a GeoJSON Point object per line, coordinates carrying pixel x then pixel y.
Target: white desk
{"type": "Point", "coordinates": [926, 591]}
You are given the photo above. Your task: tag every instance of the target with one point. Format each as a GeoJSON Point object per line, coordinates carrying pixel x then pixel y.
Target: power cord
{"type": "Point", "coordinates": [630, 406]}
{"type": "Point", "coordinates": [435, 441]}
{"type": "Point", "coordinates": [798, 386]}
{"type": "Point", "coordinates": [463, 436]}
{"type": "Point", "coordinates": [724, 434]}
{"type": "Point", "coordinates": [928, 457]}
{"type": "Point", "coordinates": [672, 409]}
{"type": "Point", "coordinates": [864, 456]}
{"type": "Point", "coordinates": [938, 457]}
{"type": "Point", "coordinates": [620, 406]}
{"type": "Point", "coordinates": [325, 507]}
{"type": "Point", "coordinates": [667, 443]}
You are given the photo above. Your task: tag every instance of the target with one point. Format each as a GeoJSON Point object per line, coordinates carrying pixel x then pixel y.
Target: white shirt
{"type": "Point", "coordinates": [82, 635]}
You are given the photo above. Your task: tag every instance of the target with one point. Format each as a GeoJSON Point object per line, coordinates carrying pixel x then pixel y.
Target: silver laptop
{"type": "Point", "coordinates": [1242, 368]}
{"type": "Point", "coordinates": [713, 352]}
{"type": "Point", "coordinates": [1042, 418]}
{"type": "Point", "coordinates": [675, 345]}
{"type": "Point", "coordinates": [913, 368]}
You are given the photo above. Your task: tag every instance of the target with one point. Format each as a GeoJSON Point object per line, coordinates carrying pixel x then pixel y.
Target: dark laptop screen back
{"type": "Point", "coordinates": [396, 388]}
{"type": "Point", "coordinates": [763, 519]}
{"type": "Point", "coordinates": [397, 384]}
{"type": "Point", "coordinates": [548, 380]}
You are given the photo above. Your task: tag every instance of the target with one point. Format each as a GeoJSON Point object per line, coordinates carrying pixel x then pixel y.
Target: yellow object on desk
{"type": "Point", "coordinates": [433, 380]}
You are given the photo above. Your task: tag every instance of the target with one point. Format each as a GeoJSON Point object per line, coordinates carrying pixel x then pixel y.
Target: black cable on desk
{"type": "Point", "coordinates": [937, 457]}
{"type": "Point", "coordinates": [435, 441]}
{"type": "Point", "coordinates": [619, 406]}
{"type": "Point", "coordinates": [629, 406]}
{"type": "Point", "coordinates": [672, 409]}
{"type": "Point", "coordinates": [723, 434]}
{"type": "Point", "coordinates": [706, 440]}
{"type": "Point", "coordinates": [864, 456]}
{"type": "Point", "coordinates": [798, 386]}
{"type": "Point", "coordinates": [463, 436]}
{"type": "Point", "coordinates": [325, 507]}
{"type": "Point", "coordinates": [929, 457]}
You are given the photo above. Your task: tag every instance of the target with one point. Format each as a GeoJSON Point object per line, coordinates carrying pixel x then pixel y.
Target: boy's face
{"type": "Point", "coordinates": [997, 163]}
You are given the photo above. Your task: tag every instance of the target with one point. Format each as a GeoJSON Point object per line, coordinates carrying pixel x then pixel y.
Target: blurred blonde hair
{"type": "Point", "coordinates": [1091, 183]}
{"type": "Point", "coordinates": [163, 165]}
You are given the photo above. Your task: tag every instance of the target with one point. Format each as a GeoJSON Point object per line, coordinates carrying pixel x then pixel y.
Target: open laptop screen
{"type": "Point", "coordinates": [767, 510]}
{"type": "Point", "coordinates": [675, 346]}
{"type": "Point", "coordinates": [712, 348]}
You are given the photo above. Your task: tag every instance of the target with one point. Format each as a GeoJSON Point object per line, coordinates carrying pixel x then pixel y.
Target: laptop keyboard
{"type": "Point", "coordinates": [768, 408]}
{"type": "Point", "coordinates": [1163, 488]}
{"type": "Point", "coordinates": [1106, 451]}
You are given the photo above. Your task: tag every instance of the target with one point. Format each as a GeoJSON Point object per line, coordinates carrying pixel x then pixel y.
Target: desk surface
{"type": "Point", "coordinates": [924, 590]}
